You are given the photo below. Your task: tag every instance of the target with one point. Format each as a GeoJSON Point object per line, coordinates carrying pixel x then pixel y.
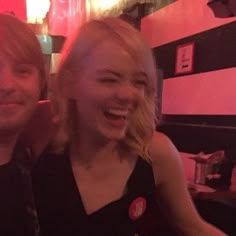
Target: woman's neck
{"type": "Point", "coordinates": [88, 153]}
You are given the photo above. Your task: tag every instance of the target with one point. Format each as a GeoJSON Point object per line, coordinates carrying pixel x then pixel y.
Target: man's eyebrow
{"type": "Point", "coordinates": [108, 71]}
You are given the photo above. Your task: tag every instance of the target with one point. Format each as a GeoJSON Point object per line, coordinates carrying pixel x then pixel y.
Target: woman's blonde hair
{"type": "Point", "coordinates": [20, 44]}
{"type": "Point", "coordinates": [76, 48]}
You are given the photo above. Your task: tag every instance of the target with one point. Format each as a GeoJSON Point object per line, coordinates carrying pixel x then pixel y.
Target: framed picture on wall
{"type": "Point", "coordinates": [184, 58]}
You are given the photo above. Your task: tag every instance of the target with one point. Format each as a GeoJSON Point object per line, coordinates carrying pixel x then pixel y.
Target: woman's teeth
{"type": "Point", "coordinates": [117, 112]}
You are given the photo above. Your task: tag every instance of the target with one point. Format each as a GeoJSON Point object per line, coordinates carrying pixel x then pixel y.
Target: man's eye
{"type": "Point", "coordinates": [108, 80]}
{"type": "Point", "coordinates": [23, 70]}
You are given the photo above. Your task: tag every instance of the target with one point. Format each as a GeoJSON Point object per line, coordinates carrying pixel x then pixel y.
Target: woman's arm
{"type": "Point", "coordinates": [172, 193]}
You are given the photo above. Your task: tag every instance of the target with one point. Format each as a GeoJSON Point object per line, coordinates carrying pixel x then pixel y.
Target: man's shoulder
{"type": "Point", "coordinates": [49, 160]}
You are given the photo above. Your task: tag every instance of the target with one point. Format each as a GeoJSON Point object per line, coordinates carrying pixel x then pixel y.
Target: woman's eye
{"type": "Point", "coordinates": [140, 83]}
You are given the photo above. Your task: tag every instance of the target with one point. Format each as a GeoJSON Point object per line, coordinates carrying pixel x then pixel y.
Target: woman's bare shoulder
{"type": "Point", "coordinates": [161, 147]}
{"type": "Point", "coordinates": [165, 157]}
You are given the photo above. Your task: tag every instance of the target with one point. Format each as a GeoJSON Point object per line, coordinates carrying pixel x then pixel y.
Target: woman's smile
{"type": "Point", "coordinates": [116, 117]}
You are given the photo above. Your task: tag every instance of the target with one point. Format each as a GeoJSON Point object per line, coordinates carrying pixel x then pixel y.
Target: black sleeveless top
{"type": "Point", "coordinates": [61, 211]}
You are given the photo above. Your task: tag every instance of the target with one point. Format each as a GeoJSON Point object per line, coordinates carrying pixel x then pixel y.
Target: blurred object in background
{"type": "Point", "coordinates": [16, 8]}
{"type": "Point", "coordinates": [45, 43]}
{"type": "Point", "coordinates": [213, 170]}
{"type": "Point", "coordinates": [220, 169]}
{"type": "Point", "coordinates": [223, 8]}
{"type": "Point", "coordinates": [233, 180]}
{"type": "Point", "coordinates": [54, 62]}
{"type": "Point", "coordinates": [37, 10]}
{"type": "Point", "coordinates": [203, 167]}
{"type": "Point", "coordinates": [65, 16]}
{"type": "Point", "coordinates": [113, 7]}
{"type": "Point", "coordinates": [62, 17]}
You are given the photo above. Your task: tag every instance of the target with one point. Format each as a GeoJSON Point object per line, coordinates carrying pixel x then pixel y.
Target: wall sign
{"type": "Point", "coordinates": [184, 58]}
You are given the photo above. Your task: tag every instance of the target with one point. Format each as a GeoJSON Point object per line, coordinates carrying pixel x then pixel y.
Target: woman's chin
{"type": "Point", "coordinates": [115, 135]}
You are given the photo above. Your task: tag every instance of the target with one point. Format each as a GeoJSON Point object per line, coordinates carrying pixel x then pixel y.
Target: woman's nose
{"type": "Point", "coordinates": [126, 92]}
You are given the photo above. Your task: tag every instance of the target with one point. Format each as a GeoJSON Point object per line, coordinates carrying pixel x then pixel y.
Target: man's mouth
{"type": "Point", "coordinates": [9, 105]}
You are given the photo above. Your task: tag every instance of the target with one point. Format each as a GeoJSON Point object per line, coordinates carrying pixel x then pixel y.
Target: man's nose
{"type": "Point", "coordinates": [7, 81]}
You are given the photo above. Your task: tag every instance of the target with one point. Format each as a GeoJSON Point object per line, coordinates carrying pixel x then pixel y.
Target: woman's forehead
{"type": "Point", "coordinates": [112, 53]}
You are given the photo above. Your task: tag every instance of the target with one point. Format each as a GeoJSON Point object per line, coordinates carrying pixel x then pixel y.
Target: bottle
{"type": "Point", "coordinates": [233, 180]}
{"type": "Point", "coordinates": [200, 172]}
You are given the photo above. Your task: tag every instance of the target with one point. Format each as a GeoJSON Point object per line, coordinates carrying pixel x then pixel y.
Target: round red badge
{"type": "Point", "coordinates": [137, 208]}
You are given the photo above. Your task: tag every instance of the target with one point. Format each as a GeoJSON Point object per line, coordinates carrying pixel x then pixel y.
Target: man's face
{"type": "Point", "coordinates": [19, 93]}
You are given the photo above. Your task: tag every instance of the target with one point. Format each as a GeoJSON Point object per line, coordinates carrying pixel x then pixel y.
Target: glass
{"type": "Point", "coordinates": [200, 173]}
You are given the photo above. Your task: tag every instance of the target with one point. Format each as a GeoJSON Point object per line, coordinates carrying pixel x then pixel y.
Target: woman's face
{"type": "Point", "coordinates": [19, 93]}
{"type": "Point", "coordinates": [108, 91]}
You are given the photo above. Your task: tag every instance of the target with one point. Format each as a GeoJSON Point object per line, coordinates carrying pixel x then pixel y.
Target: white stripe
{"type": "Point", "coordinates": [204, 93]}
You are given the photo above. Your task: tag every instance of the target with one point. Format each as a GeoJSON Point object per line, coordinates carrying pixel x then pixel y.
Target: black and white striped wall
{"type": "Point", "coordinates": [199, 106]}
{"type": "Point", "coordinates": [210, 87]}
